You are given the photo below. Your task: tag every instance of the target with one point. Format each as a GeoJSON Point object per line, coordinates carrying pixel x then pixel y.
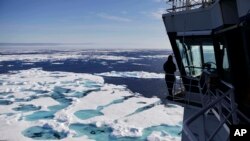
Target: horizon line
{"type": "Point", "coordinates": [44, 44]}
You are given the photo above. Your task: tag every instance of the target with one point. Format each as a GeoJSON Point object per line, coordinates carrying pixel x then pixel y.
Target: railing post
{"type": "Point", "coordinates": [204, 127]}
{"type": "Point", "coordinates": [233, 106]}
{"type": "Point", "coordinates": [187, 4]}
{"type": "Point", "coordinates": [202, 115]}
{"type": "Point", "coordinates": [219, 106]}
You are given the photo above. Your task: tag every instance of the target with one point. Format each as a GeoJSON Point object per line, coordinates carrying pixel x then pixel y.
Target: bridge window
{"type": "Point", "coordinates": [209, 55]}
{"type": "Point", "coordinates": [195, 53]}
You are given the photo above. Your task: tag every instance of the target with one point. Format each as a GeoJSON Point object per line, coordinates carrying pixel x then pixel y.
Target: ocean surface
{"type": "Point", "coordinates": [74, 94]}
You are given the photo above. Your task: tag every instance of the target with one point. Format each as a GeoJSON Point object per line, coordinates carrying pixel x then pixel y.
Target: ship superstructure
{"type": "Point", "coordinates": [211, 44]}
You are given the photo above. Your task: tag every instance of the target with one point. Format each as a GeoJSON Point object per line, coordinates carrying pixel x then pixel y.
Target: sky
{"type": "Point", "coordinates": [89, 23]}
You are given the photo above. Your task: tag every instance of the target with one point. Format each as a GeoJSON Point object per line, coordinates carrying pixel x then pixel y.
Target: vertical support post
{"type": "Point", "coordinates": [203, 134]}
{"type": "Point", "coordinates": [219, 106]}
{"type": "Point", "coordinates": [187, 4]}
{"type": "Point", "coordinates": [233, 106]}
{"type": "Point", "coordinates": [173, 6]}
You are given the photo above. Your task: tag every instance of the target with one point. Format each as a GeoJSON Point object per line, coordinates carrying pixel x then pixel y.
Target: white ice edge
{"type": "Point", "coordinates": [133, 74]}
{"type": "Point", "coordinates": [33, 58]}
{"type": "Point", "coordinates": [162, 136]}
{"type": "Point", "coordinates": [154, 56]}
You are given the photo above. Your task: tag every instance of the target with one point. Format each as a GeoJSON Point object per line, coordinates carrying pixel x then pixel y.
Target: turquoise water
{"type": "Point", "coordinates": [61, 95]}
{"type": "Point", "coordinates": [43, 133]}
{"type": "Point", "coordinates": [104, 133]}
{"type": "Point", "coordinates": [26, 108]}
{"type": "Point", "coordinates": [86, 114]}
{"type": "Point", "coordinates": [40, 115]}
{"type": "Point", "coordinates": [5, 102]}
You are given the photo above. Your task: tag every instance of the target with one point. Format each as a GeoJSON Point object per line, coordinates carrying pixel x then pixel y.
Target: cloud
{"type": "Point", "coordinates": [159, 0]}
{"type": "Point", "coordinates": [158, 13]}
{"type": "Point", "coordinates": [113, 18]}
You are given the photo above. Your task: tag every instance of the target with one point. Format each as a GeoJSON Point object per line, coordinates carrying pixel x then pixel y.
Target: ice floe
{"type": "Point", "coordinates": [42, 105]}
{"type": "Point", "coordinates": [114, 58]}
{"type": "Point", "coordinates": [133, 74]}
{"type": "Point", "coordinates": [154, 56]}
{"type": "Point", "coordinates": [61, 56]}
{"type": "Point", "coordinates": [138, 64]}
{"type": "Point", "coordinates": [161, 136]}
{"type": "Point", "coordinates": [27, 63]}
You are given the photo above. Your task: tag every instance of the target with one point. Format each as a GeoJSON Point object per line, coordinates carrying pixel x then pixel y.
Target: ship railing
{"type": "Point", "coordinates": [222, 105]}
{"type": "Point", "coordinates": [178, 90]}
{"type": "Point", "coordinates": [184, 5]}
{"type": "Point", "coordinates": [183, 91]}
{"type": "Point", "coordinates": [178, 85]}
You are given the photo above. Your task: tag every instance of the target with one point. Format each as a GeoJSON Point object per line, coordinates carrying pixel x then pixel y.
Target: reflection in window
{"type": "Point", "coordinates": [195, 52]}
{"type": "Point", "coordinates": [225, 60]}
{"type": "Point", "coordinates": [209, 56]}
{"type": "Point", "coordinates": [196, 60]}
{"type": "Point", "coordinates": [184, 55]}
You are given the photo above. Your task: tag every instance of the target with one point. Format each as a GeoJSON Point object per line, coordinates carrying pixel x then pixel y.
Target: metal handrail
{"type": "Point", "coordinates": [186, 123]}
{"type": "Point", "coordinates": [221, 124]}
{"type": "Point", "coordinates": [173, 9]}
{"type": "Point", "coordinates": [180, 87]}
{"type": "Point", "coordinates": [184, 5]}
{"type": "Point", "coordinates": [210, 106]}
{"type": "Point", "coordinates": [244, 116]}
{"type": "Point", "coordinates": [190, 78]}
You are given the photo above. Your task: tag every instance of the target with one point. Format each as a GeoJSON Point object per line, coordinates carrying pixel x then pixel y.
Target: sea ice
{"type": "Point", "coordinates": [154, 56]}
{"type": "Point", "coordinates": [56, 58]}
{"type": "Point", "coordinates": [133, 74]}
{"type": "Point", "coordinates": [161, 136]}
{"type": "Point", "coordinates": [38, 104]}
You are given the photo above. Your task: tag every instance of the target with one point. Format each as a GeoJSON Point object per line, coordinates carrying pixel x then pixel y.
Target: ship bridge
{"type": "Point", "coordinates": [210, 41]}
